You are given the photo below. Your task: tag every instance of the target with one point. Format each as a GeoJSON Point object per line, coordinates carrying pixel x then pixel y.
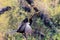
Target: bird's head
{"type": "Point", "coordinates": [25, 20]}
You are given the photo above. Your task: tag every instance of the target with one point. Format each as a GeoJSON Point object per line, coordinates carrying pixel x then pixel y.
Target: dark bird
{"type": "Point", "coordinates": [5, 9]}
{"type": "Point", "coordinates": [25, 27]}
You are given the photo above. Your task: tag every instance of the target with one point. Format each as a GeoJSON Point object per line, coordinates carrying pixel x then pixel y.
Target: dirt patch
{"type": "Point", "coordinates": [1, 36]}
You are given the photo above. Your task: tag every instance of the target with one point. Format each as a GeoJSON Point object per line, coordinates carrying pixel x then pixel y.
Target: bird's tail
{"type": "Point", "coordinates": [11, 32]}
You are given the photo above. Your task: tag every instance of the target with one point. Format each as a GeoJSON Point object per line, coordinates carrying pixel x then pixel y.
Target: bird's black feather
{"type": "Point", "coordinates": [22, 27]}
{"type": "Point", "coordinates": [30, 21]}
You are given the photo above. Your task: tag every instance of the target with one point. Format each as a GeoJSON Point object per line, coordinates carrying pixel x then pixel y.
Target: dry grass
{"type": "Point", "coordinates": [43, 5]}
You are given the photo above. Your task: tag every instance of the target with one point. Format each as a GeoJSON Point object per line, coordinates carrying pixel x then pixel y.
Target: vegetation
{"type": "Point", "coordinates": [10, 20]}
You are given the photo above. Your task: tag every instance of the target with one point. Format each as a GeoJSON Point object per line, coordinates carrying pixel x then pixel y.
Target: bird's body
{"type": "Point", "coordinates": [24, 27]}
{"type": "Point", "coordinates": [21, 29]}
{"type": "Point", "coordinates": [28, 28]}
